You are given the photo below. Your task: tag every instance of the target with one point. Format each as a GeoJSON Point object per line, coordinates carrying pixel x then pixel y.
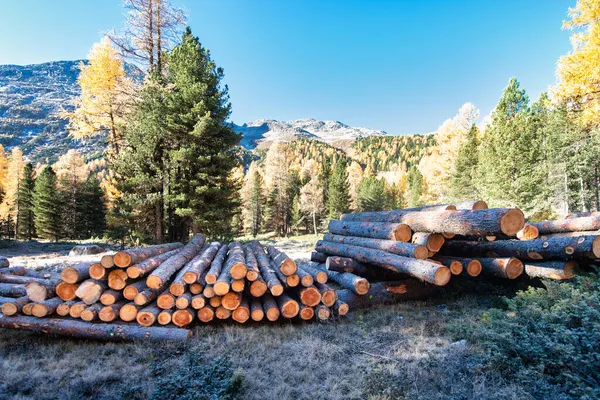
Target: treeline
{"type": "Point", "coordinates": [389, 153]}
{"type": "Point", "coordinates": [62, 201]}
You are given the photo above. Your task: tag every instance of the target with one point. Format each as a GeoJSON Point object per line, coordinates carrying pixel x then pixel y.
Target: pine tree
{"type": "Point", "coordinates": [25, 215]}
{"type": "Point", "coordinates": [46, 205]}
{"type": "Point", "coordinates": [92, 208]}
{"type": "Point", "coordinates": [462, 182]}
{"type": "Point", "coordinates": [311, 201]}
{"type": "Point", "coordinates": [372, 194]}
{"type": "Point", "coordinates": [339, 191]}
{"type": "Point", "coordinates": [256, 203]}
{"type": "Point", "coordinates": [415, 187]}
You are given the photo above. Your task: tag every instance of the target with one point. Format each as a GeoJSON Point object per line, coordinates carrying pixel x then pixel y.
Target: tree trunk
{"type": "Point", "coordinates": [317, 257]}
{"type": "Point", "coordinates": [317, 274]}
{"type": "Point", "coordinates": [410, 250]}
{"type": "Point", "coordinates": [217, 265]}
{"type": "Point", "coordinates": [328, 295]}
{"type": "Point", "coordinates": [309, 296]}
{"type": "Point", "coordinates": [376, 230]}
{"type": "Point", "coordinates": [97, 271]}
{"type": "Point", "coordinates": [323, 313]}
{"type": "Point", "coordinates": [270, 307]}
{"type": "Point", "coordinates": [46, 307]}
{"type": "Point", "coordinates": [283, 263]}
{"type": "Point", "coordinates": [288, 307]}
{"type": "Point", "coordinates": [252, 264]}
{"type": "Point", "coordinates": [236, 261]}
{"type": "Point", "coordinates": [266, 270]}
{"type": "Point", "coordinates": [91, 312]}
{"type": "Point", "coordinates": [421, 269]}
{"type": "Point", "coordinates": [159, 277]}
{"type": "Point", "coordinates": [349, 281]}
{"type": "Point", "coordinates": [90, 291]}
{"type": "Point", "coordinates": [340, 308]}
{"type": "Point", "coordinates": [76, 309]}
{"type": "Point", "coordinates": [130, 291]}
{"type": "Point", "coordinates": [76, 273]}
{"type": "Point", "coordinates": [574, 224]}
{"type": "Point", "coordinates": [107, 261]}
{"type": "Point", "coordinates": [242, 313]}
{"type": "Point", "coordinates": [195, 268]}
{"type": "Point", "coordinates": [13, 290]}
{"type": "Point", "coordinates": [40, 291]}
{"type": "Point", "coordinates": [198, 302]}
{"type": "Point", "coordinates": [387, 292]}
{"type": "Point", "coordinates": [143, 268]}
{"type": "Point", "coordinates": [556, 247]}
{"type": "Point", "coordinates": [15, 306]}
{"type": "Point", "coordinates": [558, 270]}
{"type": "Point", "coordinates": [206, 314]}
{"type": "Point", "coordinates": [124, 259]}
{"type": "Point", "coordinates": [306, 279]}
{"type": "Point", "coordinates": [256, 311]}
{"type": "Point", "coordinates": [165, 317]}
{"type": "Point", "coordinates": [470, 265]}
{"type": "Point", "coordinates": [117, 279]}
{"type": "Point", "coordinates": [345, 264]}
{"type": "Point", "coordinates": [110, 297]}
{"type": "Point", "coordinates": [80, 329]}
{"type": "Point", "coordinates": [111, 312]}
{"type": "Point", "coordinates": [147, 295]}
{"type": "Point", "coordinates": [508, 268]}
{"type": "Point", "coordinates": [148, 315]}
{"type": "Point", "coordinates": [433, 241]}
{"type": "Point", "coordinates": [306, 313]}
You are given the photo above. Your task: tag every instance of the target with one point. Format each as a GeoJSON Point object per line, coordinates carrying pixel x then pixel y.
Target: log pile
{"type": "Point", "coordinates": [466, 239]}
{"type": "Point", "coordinates": [171, 286]}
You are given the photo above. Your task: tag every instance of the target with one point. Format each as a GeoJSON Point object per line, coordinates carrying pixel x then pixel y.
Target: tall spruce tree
{"type": "Point", "coordinates": [339, 191]}
{"type": "Point", "coordinates": [92, 208]}
{"type": "Point", "coordinates": [46, 205]}
{"type": "Point", "coordinates": [415, 187]}
{"type": "Point", "coordinates": [462, 181]}
{"type": "Point", "coordinates": [25, 215]}
{"type": "Point", "coordinates": [372, 195]}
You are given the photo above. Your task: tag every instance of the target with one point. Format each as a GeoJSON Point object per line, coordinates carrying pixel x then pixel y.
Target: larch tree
{"type": "Point", "coordinates": [277, 175]}
{"type": "Point", "coordinates": [462, 182]}
{"type": "Point", "coordinates": [579, 71]}
{"type": "Point", "coordinates": [253, 200]}
{"type": "Point", "coordinates": [46, 205]}
{"type": "Point", "coordinates": [3, 173]}
{"type": "Point", "coordinates": [311, 201]}
{"type": "Point", "coordinates": [355, 175]}
{"type": "Point", "coordinates": [9, 208]}
{"type": "Point", "coordinates": [106, 97]}
{"type": "Point", "coordinates": [25, 217]}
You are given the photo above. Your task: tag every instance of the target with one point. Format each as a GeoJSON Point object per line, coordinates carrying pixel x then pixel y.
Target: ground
{"type": "Point", "coordinates": [387, 352]}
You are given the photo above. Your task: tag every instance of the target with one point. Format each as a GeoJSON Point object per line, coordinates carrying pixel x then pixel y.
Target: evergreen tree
{"type": "Point", "coordinates": [296, 212]}
{"type": "Point", "coordinates": [46, 205]}
{"type": "Point", "coordinates": [339, 191]}
{"type": "Point", "coordinates": [92, 209]}
{"type": "Point", "coordinates": [462, 182]}
{"type": "Point", "coordinates": [372, 194]}
{"type": "Point", "coordinates": [25, 215]}
{"type": "Point", "coordinates": [324, 178]}
{"type": "Point", "coordinates": [256, 204]}
{"type": "Point", "coordinates": [415, 187]}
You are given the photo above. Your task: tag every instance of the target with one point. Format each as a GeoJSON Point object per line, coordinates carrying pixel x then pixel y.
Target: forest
{"type": "Point", "coordinates": [173, 164]}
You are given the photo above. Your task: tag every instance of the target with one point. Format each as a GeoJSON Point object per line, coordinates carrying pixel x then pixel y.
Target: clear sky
{"type": "Point", "coordinates": [400, 66]}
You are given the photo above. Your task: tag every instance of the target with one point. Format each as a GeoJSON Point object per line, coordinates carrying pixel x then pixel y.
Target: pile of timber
{"type": "Point", "coordinates": [407, 253]}
{"type": "Point", "coordinates": [156, 292]}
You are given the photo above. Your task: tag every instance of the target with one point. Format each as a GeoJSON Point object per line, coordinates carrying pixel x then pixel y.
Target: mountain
{"type": "Point", "coordinates": [33, 96]}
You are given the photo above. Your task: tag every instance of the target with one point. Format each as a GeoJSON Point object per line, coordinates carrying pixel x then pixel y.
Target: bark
{"type": "Point", "coordinates": [493, 221]}
{"type": "Point", "coordinates": [317, 274]}
{"type": "Point", "coordinates": [46, 307]}
{"type": "Point", "coordinates": [80, 329]}
{"type": "Point", "coordinates": [574, 224]}
{"type": "Point", "coordinates": [15, 306]}
{"type": "Point", "coordinates": [470, 265]}
{"type": "Point", "coordinates": [472, 205]}
{"type": "Point", "coordinates": [345, 264]}
{"type": "Point", "coordinates": [375, 230]}
{"type": "Point", "coordinates": [556, 247]}
{"type": "Point", "coordinates": [433, 241]}
{"type": "Point", "coordinates": [124, 259]}
{"type": "Point", "coordinates": [349, 281]}
{"type": "Point", "coordinates": [283, 263]}
{"type": "Point", "coordinates": [91, 312]}
{"type": "Point", "coordinates": [217, 265]}
{"type": "Point", "coordinates": [242, 313]}
{"type": "Point", "coordinates": [4, 263]}
{"type": "Point", "coordinates": [558, 270]}
{"type": "Point", "coordinates": [270, 307]}
{"type": "Point", "coordinates": [266, 270]}
{"type": "Point", "coordinates": [18, 279]}
{"type": "Point", "coordinates": [145, 267]}
{"type": "Point", "coordinates": [90, 291]}
{"type": "Point", "coordinates": [317, 257]}
{"type": "Point", "coordinates": [111, 297]}
{"type": "Point", "coordinates": [288, 307]}
{"type": "Point", "coordinates": [159, 277]}
{"type": "Point", "coordinates": [421, 269]}
{"type": "Point", "coordinates": [387, 293]}
{"type": "Point", "coordinates": [411, 250]}
{"type": "Point", "coordinates": [253, 271]}
{"type": "Point", "coordinates": [196, 267]}
{"type": "Point", "coordinates": [76, 273]}
{"type": "Point", "coordinates": [13, 290]}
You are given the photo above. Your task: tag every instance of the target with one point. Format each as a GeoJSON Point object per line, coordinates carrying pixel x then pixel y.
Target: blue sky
{"type": "Point", "coordinates": [400, 66]}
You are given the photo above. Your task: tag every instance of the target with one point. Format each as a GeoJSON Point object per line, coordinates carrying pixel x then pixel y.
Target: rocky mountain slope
{"type": "Point", "coordinates": [33, 96]}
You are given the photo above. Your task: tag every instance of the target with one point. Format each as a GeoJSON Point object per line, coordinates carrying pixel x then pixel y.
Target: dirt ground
{"type": "Point", "coordinates": [400, 351]}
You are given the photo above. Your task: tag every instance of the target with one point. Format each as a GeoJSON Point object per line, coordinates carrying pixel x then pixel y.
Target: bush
{"type": "Point", "coordinates": [547, 339]}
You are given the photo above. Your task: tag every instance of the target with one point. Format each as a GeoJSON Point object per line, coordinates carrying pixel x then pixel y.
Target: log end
{"type": "Point", "coordinates": [421, 252]}
{"type": "Point", "coordinates": [474, 268]}
{"type": "Point", "coordinates": [323, 313]}
{"type": "Point", "coordinates": [292, 280]}
{"type": "Point", "coordinates": [273, 314]}
{"type": "Point", "coordinates": [129, 293]}
{"type": "Point", "coordinates": [514, 268]}
{"type": "Point", "coordinates": [240, 315]}
{"type": "Point", "coordinates": [164, 317]}
{"type": "Point", "coordinates": [177, 289]}
{"type": "Point", "coordinates": [277, 290]}
{"type": "Point", "coordinates": [107, 299]}
{"type": "Point", "coordinates": [257, 315]}
{"type": "Point", "coordinates": [569, 269]}
{"type": "Point", "coordinates": [221, 288]}
{"type": "Point", "coordinates": [307, 281]}
{"type": "Point", "coordinates": [258, 288]}
{"type": "Point", "coordinates": [190, 277]}
{"type": "Point", "coordinates": [596, 247]}
{"type": "Point", "coordinates": [38, 292]}
{"type": "Point", "coordinates": [198, 302]}
{"type": "Point", "coordinates": [435, 241]}
{"type": "Point", "coordinates": [251, 275]}
{"type": "Point", "coordinates": [402, 233]}
{"type": "Point", "coordinates": [154, 282]}
{"type": "Point", "coordinates": [128, 312]}
{"type": "Point", "coordinates": [88, 315]}
{"type": "Point", "coordinates": [329, 297]}
{"type": "Point", "coordinates": [342, 309]}
{"type": "Point", "coordinates": [310, 296]}
{"type": "Point", "coordinates": [206, 314]}
{"type": "Point", "coordinates": [107, 314]}
{"type": "Point", "coordinates": [512, 222]}
{"type": "Point", "coordinates": [442, 276]}
{"type": "Point", "coordinates": [75, 310]}
{"type": "Point", "coordinates": [9, 309]}
{"type": "Point", "coordinates": [456, 267]}
{"type": "Point", "coordinates": [69, 275]}
{"type": "Point", "coordinates": [238, 285]}
{"type": "Point", "coordinates": [107, 261]}
{"type": "Point", "coordinates": [231, 301]}
{"type": "Point", "coordinates": [182, 317]}
{"type": "Point", "coordinates": [141, 299]}
{"type": "Point", "coordinates": [133, 272]}
{"type": "Point", "coordinates": [290, 308]}
{"type": "Point", "coordinates": [307, 313]}
{"type": "Point", "coordinates": [145, 318]}
{"type": "Point", "coordinates": [529, 232]}
{"type": "Point", "coordinates": [479, 205]}
{"type": "Point", "coordinates": [288, 267]}
{"type": "Point", "coordinates": [362, 287]}
{"type": "Point", "coordinates": [40, 310]}
{"type": "Point", "coordinates": [210, 279]}
{"type": "Point", "coordinates": [97, 271]}
{"type": "Point", "coordinates": [122, 259]}
{"type": "Point", "coordinates": [222, 313]}
{"type": "Point", "coordinates": [321, 277]}
{"type": "Point", "coordinates": [238, 271]}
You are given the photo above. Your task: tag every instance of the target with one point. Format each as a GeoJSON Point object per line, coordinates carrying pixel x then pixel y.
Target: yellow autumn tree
{"type": "Point", "coordinates": [106, 96]}
{"type": "Point", "coordinates": [579, 71]}
{"type": "Point", "coordinates": [71, 170]}
{"type": "Point", "coordinates": [3, 171]}
{"type": "Point", "coordinates": [355, 175]}
{"type": "Point", "coordinates": [14, 173]}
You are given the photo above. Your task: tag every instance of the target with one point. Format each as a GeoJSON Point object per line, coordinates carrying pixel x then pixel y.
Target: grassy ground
{"type": "Point", "coordinates": [388, 352]}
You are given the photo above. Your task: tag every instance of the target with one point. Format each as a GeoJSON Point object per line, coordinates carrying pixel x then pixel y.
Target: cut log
{"type": "Point", "coordinates": [14, 290]}
{"type": "Point", "coordinates": [455, 266]}
{"type": "Point", "coordinates": [27, 308]}
{"type": "Point", "coordinates": [198, 302]}
{"type": "Point", "coordinates": [340, 308]}
{"type": "Point", "coordinates": [256, 311]}
{"type": "Point", "coordinates": [473, 266]}
{"type": "Point", "coordinates": [124, 259]}
{"type": "Point", "coordinates": [306, 313]}
{"type": "Point", "coordinates": [472, 205]}
{"type": "Point", "coordinates": [306, 279]}
{"type": "Point", "coordinates": [242, 313]}
{"type": "Point", "coordinates": [183, 301]}
{"type": "Point", "coordinates": [76, 309]}
{"type": "Point", "coordinates": [215, 301]}
{"type": "Point", "coordinates": [317, 274]}
{"type": "Point", "coordinates": [529, 232]}
{"type": "Point", "coordinates": [196, 288]}
{"type": "Point", "coordinates": [421, 269]}
{"type": "Point", "coordinates": [145, 267]}
{"type": "Point", "coordinates": [345, 264]}
{"type": "Point", "coordinates": [288, 307]}
{"type": "Point", "coordinates": [196, 267]}
{"type": "Point", "coordinates": [387, 292]}
{"type": "Point", "coordinates": [90, 291]}
{"type": "Point", "coordinates": [17, 279]}
{"type": "Point", "coordinates": [556, 247]}
{"type": "Point", "coordinates": [559, 270]}
{"type": "Point", "coordinates": [509, 268]}
{"type": "Point", "coordinates": [309, 296]}
{"type": "Point", "coordinates": [266, 270]}
{"type": "Point", "coordinates": [375, 230]}
{"type": "Point", "coordinates": [111, 312]}
{"type": "Point", "coordinates": [217, 265]}
{"type": "Point", "coordinates": [166, 300]}
{"type": "Point", "coordinates": [323, 313]}
{"type": "Point", "coordinates": [253, 271]}
{"type": "Point", "coordinates": [117, 279]}
{"type": "Point", "coordinates": [270, 307]}
{"type": "Point", "coordinates": [113, 332]}
{"type": "Point", "coordinates": [328, 295]}
{"type": "Point", "coordinates": [283, 263]}
{"type": "Point", "coordinates": [289, 281]}
{"type": "Point", "coordinates": [63, 309]}
{"type": "Point", "coordinates": [109, 297]}
{"type": "Point", "coordinates": [148, 315]}
{"type": "Point", "coordinates": [236, 261]}
{"type": "Point", "coordinates": [410, 250]}
{"type": "Point", "coordinates": [576, 224]}
{"type": "Point", "coordinates": [231, 300]}
{"type": "Point", "coordinates": [15, 306]}
{"type": "Point", "coordinates": [349, 281]}
{"type": "Point", "coordinates": [131, 290]}
{"type": "Point", "coordinates": [222, 313]}
{"type": "Point", "coordinates": [258, 287]}
{"type": "Point", "coordinates": [45, 308]}
{"type": "Point", "coordinates": [208, 291]}
{"type": "Point", "coordinates": [206, 314]}
{"type": "Point", "coordinates": [317, 257]}
{"type": "Point", "coordinates": [492, 221]}
{"type": "Point", "coordinates": [165, 317]}
{"type": "Point", "coordinates": [129, 311]}
{"type": "Point", "coordinates": [107, 261]}
{"type": "Point", "coordinates": [238, 285]}
{"type": "Point", "coordinates": [76, 273]}
{"type": "Point", "coordinates": [97, 271]}
{"type": "Point", "coordinates": [91, 312]}
{"type": "Point", "coordinates": [147, 295]}
{"type": "Point", "coordinates": [159, 277]}
{"type": "Point", "coordinates": [433, 241]}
